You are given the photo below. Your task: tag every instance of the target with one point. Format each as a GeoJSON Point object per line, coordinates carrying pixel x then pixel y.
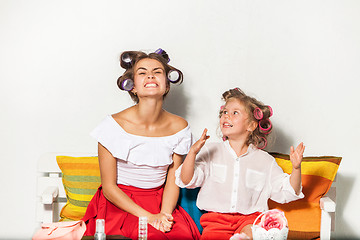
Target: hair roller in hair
{"type": "Point", "coordinates": [125, 60]}
{"type": "Point", "coordinates": [174, 76]}
{"type": "Point", "coordinates": [127, 85]}
{"type": "Point", "coordinates": [258, 114]}
{"type": "Point", "coordinates": [265, 126]}
{"type": "Point", "coordinates": [262, 143]}
{"type": "Point", "coordinates": [271, 111]}
{"type": "Point", "coordinates": [163, 54]}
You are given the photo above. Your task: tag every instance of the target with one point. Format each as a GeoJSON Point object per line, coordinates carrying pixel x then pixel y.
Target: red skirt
{"type": "Point", "coordinates": [119, 222]}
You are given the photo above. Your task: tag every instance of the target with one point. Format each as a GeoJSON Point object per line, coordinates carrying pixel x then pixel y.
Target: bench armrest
{"type": "Point", "coordinates": [327, 205]}
{"type": "Point", "coordinates": [49, 195]}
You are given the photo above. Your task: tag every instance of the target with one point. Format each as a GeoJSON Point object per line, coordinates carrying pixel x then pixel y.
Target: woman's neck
{"type": "Point", "coordinates": [149, 111]}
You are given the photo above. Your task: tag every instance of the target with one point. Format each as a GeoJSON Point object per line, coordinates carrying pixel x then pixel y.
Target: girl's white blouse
{"type": "Point", "coordinates": [141, 161]}
{"type": "Point", "coordinates": [243, 184]}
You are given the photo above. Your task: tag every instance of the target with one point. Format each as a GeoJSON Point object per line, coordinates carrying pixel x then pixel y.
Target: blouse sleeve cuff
{"type": "Point", "coordinates": [287, 186]}
{"type": "Point", "coordinates": [179, 182]}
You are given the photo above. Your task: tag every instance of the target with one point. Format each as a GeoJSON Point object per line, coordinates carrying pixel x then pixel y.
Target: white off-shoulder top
{"type": "Point", "coordinates": [141, 161]}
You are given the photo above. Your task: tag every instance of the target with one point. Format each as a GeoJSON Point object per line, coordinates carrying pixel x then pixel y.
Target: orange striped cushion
{"type": "Point", "coordinates": [81, 179]}
{"type": "Point", "coordinates": [317, 174]}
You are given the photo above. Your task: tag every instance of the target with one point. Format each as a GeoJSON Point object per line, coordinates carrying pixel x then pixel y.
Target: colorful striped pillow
{"type": "Point", "coordinates": [81, 179]}
{"type": "Point", "coordinates": [317, 174]}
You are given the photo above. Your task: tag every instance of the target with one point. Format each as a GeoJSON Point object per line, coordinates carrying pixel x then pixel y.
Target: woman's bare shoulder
{"type": "Point", "coordinates": [176, 122]}
{"type": "Point", "coordinates": [123, 116]}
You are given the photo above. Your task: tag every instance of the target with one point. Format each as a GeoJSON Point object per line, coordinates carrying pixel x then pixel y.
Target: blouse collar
{"type": "Point", "coordinates": [250, 149]}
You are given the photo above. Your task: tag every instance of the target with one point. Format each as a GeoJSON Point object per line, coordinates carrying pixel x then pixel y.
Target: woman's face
{"type": "Point", "coordinates": [234, 121]}
{"type": "Point", "coordinates": [149, 78]}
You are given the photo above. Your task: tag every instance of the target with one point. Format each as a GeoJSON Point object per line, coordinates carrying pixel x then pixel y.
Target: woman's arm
{"type": "Point", "coordinates": [171, 191]}
{"type": "Point", "coordinates": [114, 194]}
{"type": "Point", "coordinates": [111, 191]}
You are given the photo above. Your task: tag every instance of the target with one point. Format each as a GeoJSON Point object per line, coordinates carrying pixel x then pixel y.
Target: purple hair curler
{"type": "Point", "coordinates": [174, 76]}
{"type": "Point", "coordinates": [127, 85]}
{"type": "Point", "coordinates": [126, 60]}
{"type": "Point", "coordinates": [161, 52]}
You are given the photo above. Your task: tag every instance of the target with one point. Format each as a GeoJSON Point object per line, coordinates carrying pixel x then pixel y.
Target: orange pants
{"type": "Point", "coordinates": [224, 225]}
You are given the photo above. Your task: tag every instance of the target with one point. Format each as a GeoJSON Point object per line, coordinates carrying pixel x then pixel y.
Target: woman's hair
{"type": "Point", "coordinates": [129, 59]}
{"type": "Point", "coordinates": [257, 112]}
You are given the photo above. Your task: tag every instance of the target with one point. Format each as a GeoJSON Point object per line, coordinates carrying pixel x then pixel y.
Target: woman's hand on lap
{"type": "Point", "coordinates": [161, 221]}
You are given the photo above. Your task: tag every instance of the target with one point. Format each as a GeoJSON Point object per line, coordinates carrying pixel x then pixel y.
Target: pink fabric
{"type": "Point", "coordinates": [120, 222]}
{"type": "Point", "coordinates": [73, 230]}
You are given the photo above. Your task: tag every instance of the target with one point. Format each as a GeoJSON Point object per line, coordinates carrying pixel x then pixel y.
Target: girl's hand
{"type": "Point", "coordinates": [296, 155]}
{"type": "Point", "coordinates": [196, 147]}
{"type": "Point", "coordinates": [161, 221]}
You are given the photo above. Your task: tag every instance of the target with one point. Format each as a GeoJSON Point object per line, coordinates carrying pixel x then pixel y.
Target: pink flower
{"type": "Point", "coordinates": [273, 219]}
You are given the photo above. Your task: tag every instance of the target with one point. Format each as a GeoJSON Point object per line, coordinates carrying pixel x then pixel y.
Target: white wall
{"type": "Point", "coordinates": [59, 65]}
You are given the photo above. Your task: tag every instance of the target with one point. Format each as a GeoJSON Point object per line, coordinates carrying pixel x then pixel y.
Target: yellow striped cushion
{"type": "Point", "coordinates": [81, 179]}
{"type": "Point", "coordinates": [317, 175]}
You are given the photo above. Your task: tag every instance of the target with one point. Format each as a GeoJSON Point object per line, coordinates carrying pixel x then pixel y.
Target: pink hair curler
{"type": "Point", "coordinates": [265, 126]}
{"type": "Point", "coordinates": [262, 144]}
{"type": "Point", "coordinates": [271, 111]}
{"type": "Point", "coordinates": [258, 114]}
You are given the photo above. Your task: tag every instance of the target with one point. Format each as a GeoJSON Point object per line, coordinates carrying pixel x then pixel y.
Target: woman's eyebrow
{"type": "Point", "coordinates": [141, 68]}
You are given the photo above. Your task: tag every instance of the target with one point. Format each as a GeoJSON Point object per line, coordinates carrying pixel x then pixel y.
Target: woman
{"type": "Point", "coordinates": [139, 150]}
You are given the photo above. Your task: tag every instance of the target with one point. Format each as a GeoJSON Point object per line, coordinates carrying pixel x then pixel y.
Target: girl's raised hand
{"type": "Point", "coordinates": [296, 155]}
{"type": "Point", "coordinates": [196, 147]}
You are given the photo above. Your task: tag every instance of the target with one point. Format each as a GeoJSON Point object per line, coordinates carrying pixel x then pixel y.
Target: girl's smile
{"type": "Point", "coordinates": [234, 121]}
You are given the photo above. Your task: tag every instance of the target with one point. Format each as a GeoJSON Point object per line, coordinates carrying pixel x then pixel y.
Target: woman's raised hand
{"type": "Point", "coordinates": [196, 147]}
{"type": "Point", "coordinates": [296, 155]}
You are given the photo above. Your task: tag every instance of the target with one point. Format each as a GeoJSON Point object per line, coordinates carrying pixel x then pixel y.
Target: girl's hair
{"type": "Point", "coordinates": [129, 59]}
{"type": "Point", "coordinates": [257, 112]}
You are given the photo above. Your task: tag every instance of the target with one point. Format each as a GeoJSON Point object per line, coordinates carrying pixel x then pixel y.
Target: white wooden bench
{"type": "Point", "coordinates": [51, 196]}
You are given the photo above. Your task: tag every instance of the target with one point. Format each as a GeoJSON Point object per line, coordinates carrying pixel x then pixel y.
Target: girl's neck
{"type": "Point", "coordinates": [239, 146]}
{"type": "Point", "coordinates": [149, 111]}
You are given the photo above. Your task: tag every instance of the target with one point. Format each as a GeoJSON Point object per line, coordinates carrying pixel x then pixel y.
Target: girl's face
{"type": "Point", "coordinates": [234, 121]}
{"type": "Point", "coordinates": [149, 78]}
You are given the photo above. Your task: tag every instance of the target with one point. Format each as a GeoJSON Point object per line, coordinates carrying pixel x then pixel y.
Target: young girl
{"type": "Point", "coordinates": [139, 150]}
{"type": "Point", "coordinates": [236, 177]}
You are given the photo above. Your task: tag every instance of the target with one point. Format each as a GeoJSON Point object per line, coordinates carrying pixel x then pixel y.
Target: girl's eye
{"type": "Point", "coordinates": [236, 112]}
{"type": "Point", "coordinates": [225, 112]}
{"type": "Point", "coordinates": [141, 73]}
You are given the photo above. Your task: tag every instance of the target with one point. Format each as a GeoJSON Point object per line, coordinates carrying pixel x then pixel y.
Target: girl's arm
{"type": "Point", "coordinates": [114, 194]}
{"type": "Point", "coordinates": [296, 157]}
{"type": "Point", "coordinates": [187, 170]}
